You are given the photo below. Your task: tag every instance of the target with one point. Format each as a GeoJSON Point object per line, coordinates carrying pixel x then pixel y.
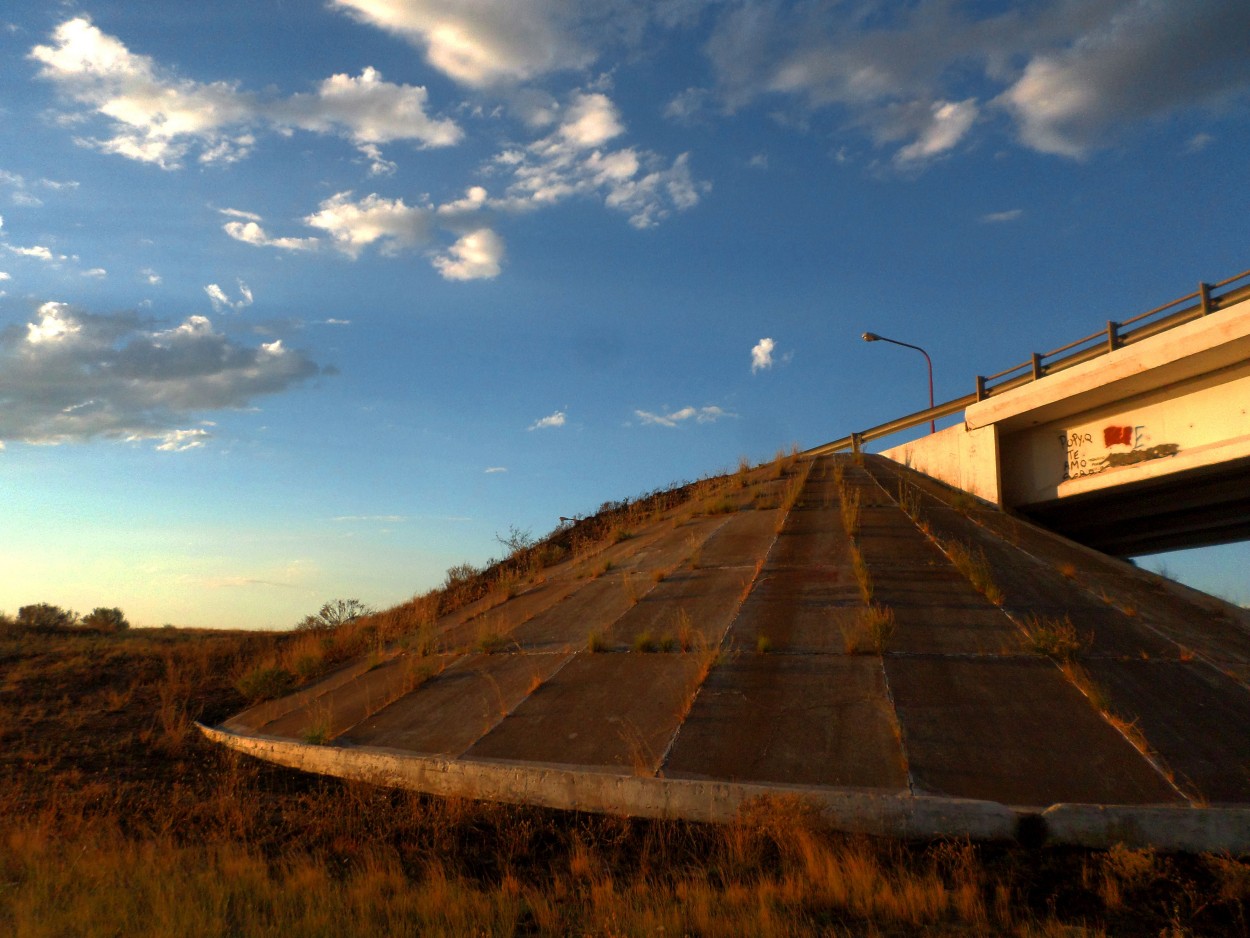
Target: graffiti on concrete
{"type": "Point", "coordinates": [1082, 459]}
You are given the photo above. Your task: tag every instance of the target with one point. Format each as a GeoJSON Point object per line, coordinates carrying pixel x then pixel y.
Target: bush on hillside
{"type": "Point", "coordinates": [102, 619]}
{"type": "Point", "coordinates": [333, 614]}
{"type": "Point", "coordinates": [45, 617]}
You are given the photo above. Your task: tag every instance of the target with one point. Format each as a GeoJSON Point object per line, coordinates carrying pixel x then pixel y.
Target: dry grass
{"type": "Point", "coordinates": [870, 631]}
{"type": "Point", "coordinates": [863, 578]}
{"type": "Point", "coordinates": [117, 819]}
{"type": "Point", "coordinates": [1054, 638]}
{"type": "Point", "coordinates": [850, 505]}
{"type": "Point", "coordinates": [974, 565]}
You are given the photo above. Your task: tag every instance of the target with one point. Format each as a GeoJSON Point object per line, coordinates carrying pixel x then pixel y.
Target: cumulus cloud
{"type": "Point", "coordinates": [388, 223]}
{"type": "Point", "coordinates": [221, 301]}
{"type": "Point", "coordinates": [476, 256]}
{"type": "Point", "coordinates": [574, 160]}
{"type": "Point", "coordinates": [483, 42]}
{"type": "Point", "coordinates": [547, 423]}
{"type": "Point", "coordinates": [72, 376]}
{"type": "Point", "coordinates": [154, 116]}
{"type": "Point", "coordinates": [494, 470]}
{"type": "Point", "coordinates": [368, 110]}
{"type": "Point", "coordinates": [37, 251]}
{"type": "Point", "coordinates": [762, 355]}
{"type": "Point", "coordinates": [685, 414]}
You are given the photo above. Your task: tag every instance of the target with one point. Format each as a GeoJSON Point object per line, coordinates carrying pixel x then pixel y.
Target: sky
{"type": "Point", "coordinates": [303, 300]}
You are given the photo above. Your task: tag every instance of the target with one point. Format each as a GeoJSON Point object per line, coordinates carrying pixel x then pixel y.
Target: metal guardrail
{"type": "Point", "coordinates": [1117, 335]}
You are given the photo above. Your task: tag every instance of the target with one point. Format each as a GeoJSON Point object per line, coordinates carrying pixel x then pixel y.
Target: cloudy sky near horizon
{"type": "Point", "coordinates": [303, 300]}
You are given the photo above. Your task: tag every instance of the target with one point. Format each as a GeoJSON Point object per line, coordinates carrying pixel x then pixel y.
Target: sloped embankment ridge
{"type": "Point", "coordinates": [904, 658]}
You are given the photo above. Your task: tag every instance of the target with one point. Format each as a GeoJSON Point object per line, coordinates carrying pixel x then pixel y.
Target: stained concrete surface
{"type": "Point", "coordinates": [1153, 709]}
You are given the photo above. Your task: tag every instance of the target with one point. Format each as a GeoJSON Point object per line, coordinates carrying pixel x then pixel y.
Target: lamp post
{"type": "Point", "coordinates": [873, 337]}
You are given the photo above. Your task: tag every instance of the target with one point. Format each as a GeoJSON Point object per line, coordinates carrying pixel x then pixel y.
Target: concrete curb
{"type": "Point", "coordinates": [851, 810]}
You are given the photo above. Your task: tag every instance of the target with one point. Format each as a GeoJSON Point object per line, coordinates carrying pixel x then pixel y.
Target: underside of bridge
{"type": "Point", "coordinates": [1200, 508]}
{"type": "Point", "coordinates": [908, 659]}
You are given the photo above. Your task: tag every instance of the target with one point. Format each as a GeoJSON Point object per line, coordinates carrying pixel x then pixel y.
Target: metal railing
{"type": "Point", "coordinates": [1117, 335]}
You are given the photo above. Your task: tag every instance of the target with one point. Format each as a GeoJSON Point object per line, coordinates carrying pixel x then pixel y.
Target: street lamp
{"type": "Point", "coordinates": [873, 337]}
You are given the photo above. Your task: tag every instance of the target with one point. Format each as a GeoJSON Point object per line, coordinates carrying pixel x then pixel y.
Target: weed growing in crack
{"type": "Point", "coordinates": [870, 632]}
{"type": "Point", "coordinates": [1054, 638]}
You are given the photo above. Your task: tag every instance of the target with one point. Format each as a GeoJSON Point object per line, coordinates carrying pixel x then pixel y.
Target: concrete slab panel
{"type": "Point", "coordinates": [616, 712]}
{"type": "Point", "coordinates": [450, 712]}
{"type": "Point", "coordinates": [1194, 717]}
{"type": "Point", "coordinates": [1013, 731]}
{"type": "Point", "coordinates": [706, 599]}
{"type": "Point", "coordinates": [666, 548]}
{"type": "Point", "coordinates": [812, 720]}
{"type": "Point", "coordinates": [348, 703]}
{"type": "Point", "coordinates": [744, 539]}
{"type": "Point", "coordinates": [887, 537]}
{"type": "Point", "coordinates": [252, 719]}
{"type": "Point", "coordinates": [812, 537]}
{"type": "Point", "coordinates": [502, 618]}
{"type": "Point", "coordinates": [593, 608]}
{"type": "Point", "coordinates": [799, 610]}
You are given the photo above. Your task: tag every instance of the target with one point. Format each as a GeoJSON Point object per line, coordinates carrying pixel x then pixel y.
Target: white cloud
{"type": "Point", "coordinates": [949, 122]}
{"type": "Point", "coordinates": [159, 118]}
{"type": "Point", "coordinates": [389, 223]}
{"type": "Point", "coordinates": [151, 276]}
{"type": "Point", "coordinates": [217, 296]}
{"type": "Point", "coordinates": [546, 423]}
{"type": "Point", "coordinates": [678, 417]}
{"type": "Point", "coordinates": [476, 256]}
{"type": "Point", "coordinates": [336, 322]}
{"type": "Point", "coordinates": [239, 213]}
{"type": "Point", "coordinates": [178, 441]}
{"type": "Point", "coordinates": [369, 111]}
{"type": "Point", "coordinates": [5, 276]}
{"type": "Point", "coordinates": [915, 76]}
{"type": "Point", "coordinates": [1011, 214]}
{"type": "Point", "coordinates": [493, 470]}
{"type": "Point", "coordinates": [1148, 59]}
{"type": "Point", "coordinates": [572, 161]}
{"type": "Point", "coordinates": [72, 376]}
{"type": "Point", "coordinates": [38, 251]}
{"type": "Point", "coordinates": [483, 42]}
{"type": "Point", "coordinates": [251, 232]}
{"type": "Point", "coordinates": [762, 354]}
{"type": "Point", "coordinates": [55, 325]}
{"type": "Point", "coordinates": [95, 272]}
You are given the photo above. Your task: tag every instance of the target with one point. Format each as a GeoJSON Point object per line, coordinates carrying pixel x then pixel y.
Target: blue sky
{"type": "Point", "coordinates": [312, 300]}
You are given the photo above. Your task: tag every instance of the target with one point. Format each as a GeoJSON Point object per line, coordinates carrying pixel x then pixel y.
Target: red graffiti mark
{"type": "Point", "coordinates": [1112, 436]}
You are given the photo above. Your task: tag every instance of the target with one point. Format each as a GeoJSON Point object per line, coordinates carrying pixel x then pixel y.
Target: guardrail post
{"type": "Point", "coordinates": [980, 388]}
{"type": "Point", "coordinates": [1204, 291]}
{"type": "Point", "coordinates": [1037, 366]}
{"type": "Point", "coordinates": [1113, 335]}
{"type": "Point", "coordinates": [857, 443]}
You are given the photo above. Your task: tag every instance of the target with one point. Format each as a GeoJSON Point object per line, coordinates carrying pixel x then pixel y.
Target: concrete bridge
{"type": "Point", "coordinates": [1133, 440]}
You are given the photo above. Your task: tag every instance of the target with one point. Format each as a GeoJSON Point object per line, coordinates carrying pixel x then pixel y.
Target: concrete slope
{"type": "Point", "coordinates": [907, 658]}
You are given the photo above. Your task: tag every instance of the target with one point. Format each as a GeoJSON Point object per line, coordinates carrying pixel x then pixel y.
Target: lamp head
{"type": "Point", "coordinates": [871, 337]}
